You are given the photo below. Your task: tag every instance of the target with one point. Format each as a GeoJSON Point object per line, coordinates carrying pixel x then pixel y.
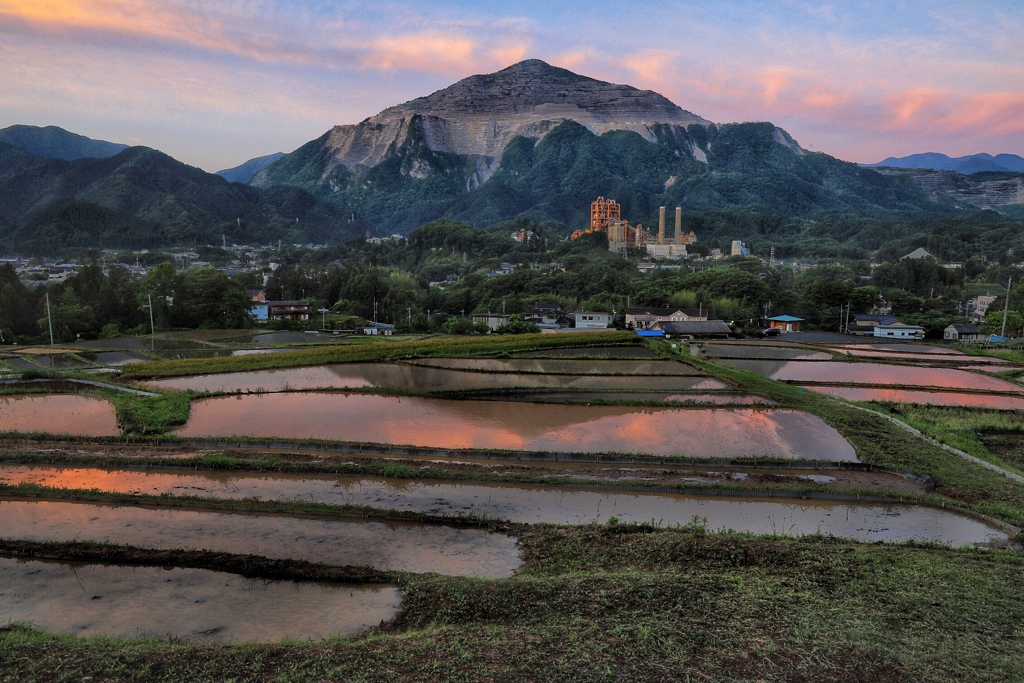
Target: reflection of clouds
{"type": "Point", "coordinates": [935, 398]}
{"type": "Point", "coordinates": [520, 426]}
{"type": "Point", "coordinates": [59, 414]}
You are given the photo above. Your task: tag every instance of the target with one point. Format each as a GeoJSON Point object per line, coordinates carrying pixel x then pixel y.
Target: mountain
{"type": "Point", "coordinates": [974, 163]}
{"type": "Point", "coordinates": [52, 142]}
{"type": "Point", "coordinates": [245, 172]}
{"type": "Point", "coordinates": [983, 189]}
{"type": "Point", "coordinates": [141, 197]}
{"type": "Point", "coordinates": [537, 141]}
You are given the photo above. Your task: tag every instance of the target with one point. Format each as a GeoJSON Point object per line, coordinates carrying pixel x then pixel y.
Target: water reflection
{"type": "Point", "coordinates": [873, 373]}
{"type": "Point", "coordinates": [187, 604]}
{"type": "Point", "coordinates": [58, 414]}
{"type": "Point", "coordinates": [934, 398]}
{"type": "Point", "coordinates": [696, 432]}
{"type": "Point", "coordinates": [536, 504]}
{"type": "Point", "coordinates": [392, 545]}
{"type": "Point", "coordinates": [418, 378]}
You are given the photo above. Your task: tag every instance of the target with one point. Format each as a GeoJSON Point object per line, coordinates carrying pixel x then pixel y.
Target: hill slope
{"type": "Point", "coordinates": [538, 141]}
{"type": "Point", "coordinates": [144, 198]}
{"type": "Point", "coordinates": [52, 142]}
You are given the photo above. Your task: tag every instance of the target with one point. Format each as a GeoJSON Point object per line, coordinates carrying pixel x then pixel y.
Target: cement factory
{"type": "Point", "coordinates": [606, 217]}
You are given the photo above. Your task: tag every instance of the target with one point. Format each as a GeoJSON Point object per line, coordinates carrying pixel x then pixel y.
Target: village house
{"type": "Point", "coordinates": [694, 329]}
{"type": "Point", "coordinates": [592, 320]}
{"type": "Point", "coordinates": [785, 323]}
{"type": "Point", "coordinates": [865, 323]}
{"type": "Point", "coordinates": [961, 332]}
{"type": "Point", "coordinates": [493, 320]}
{"type": "Point", "coordinates": [642, 318]}
{"type": "Point", "coordinates": [899, 331]}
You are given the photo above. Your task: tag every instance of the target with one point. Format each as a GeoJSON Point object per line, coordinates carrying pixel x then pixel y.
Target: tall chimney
{"type": "Point", "coordinates": [661, 225]}
{"type": "Point", "coordinates": [679, 225]}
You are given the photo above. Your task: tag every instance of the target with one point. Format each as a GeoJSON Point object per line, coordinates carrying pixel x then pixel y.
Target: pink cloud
{"type": "Point", "coordinates": [430, 51]}
{"type": "Point", "coordinates": [651, 65]}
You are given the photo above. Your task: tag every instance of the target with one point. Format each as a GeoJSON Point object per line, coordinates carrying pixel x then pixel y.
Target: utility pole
{"type": "Point", "coordinates": [375, 313]}
{"type": "Point", "coordinates": [49, 320]}
{"type": "Point", "coordinates": [410, 318]}
{"type": "Point", "coordinates": [152, 329]}
{"type": "Point", "coordinates": [1006, 309]}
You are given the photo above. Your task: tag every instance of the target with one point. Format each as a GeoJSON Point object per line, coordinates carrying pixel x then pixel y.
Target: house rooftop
{"type": "Point", "coordinates": [787, 319]}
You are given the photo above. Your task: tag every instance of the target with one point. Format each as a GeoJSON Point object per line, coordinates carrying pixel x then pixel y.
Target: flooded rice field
{"type": "Point", "coordinates": [590, 352]}
{"type": "Point", "coordinates": [402, 546]}
{"type": "Point", "coordinates": [724, 398]}
{"type": "Point", "coordinates": [185, 604]}
{"type": "Point", "coordinates": [535, 504]}
{"type": "Point", "coordinates": [874, 373]}
{"type": "Point", "coordinates": [897, 347]}
{"type": "Point", "coordinates": [418, 378]}
{"type": "Point", "coordinates": [438, 423]}
{"type": "Point", "coordinates": [558, 366]}
{"type": "Point", "coordinates": [58, 414]}
{"type": "Point", "coordinates": [932, 398]}
{"type": "Point", "coordinates": [764, 351]}
{"type": "Point", "coordinates": [947, 357]}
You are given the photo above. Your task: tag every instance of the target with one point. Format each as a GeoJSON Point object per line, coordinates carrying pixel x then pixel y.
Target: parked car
{"type": "Point", "coordinates": [771, 332]}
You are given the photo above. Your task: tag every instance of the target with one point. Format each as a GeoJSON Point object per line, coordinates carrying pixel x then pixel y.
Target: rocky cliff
{"type": "Point", "coordinates": [479, 116]}
{"type": "Point", "coordinates": [984, 190]}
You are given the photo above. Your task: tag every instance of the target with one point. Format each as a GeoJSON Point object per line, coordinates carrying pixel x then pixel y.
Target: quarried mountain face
{"type": "Point", "coordinates": [479, 116]}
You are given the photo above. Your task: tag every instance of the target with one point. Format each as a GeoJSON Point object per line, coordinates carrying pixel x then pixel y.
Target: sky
{"type": "Point", "coordinates": [216, 82]}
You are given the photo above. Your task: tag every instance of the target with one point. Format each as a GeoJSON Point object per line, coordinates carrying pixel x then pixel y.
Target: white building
{"type": "Point", "coordinates": [592, 319]}
{"type": "Point", "coordinates": [899, 331]}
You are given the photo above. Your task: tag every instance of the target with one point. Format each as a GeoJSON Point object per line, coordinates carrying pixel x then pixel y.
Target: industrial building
{"type": "Point", "coordinates": [606, 217]}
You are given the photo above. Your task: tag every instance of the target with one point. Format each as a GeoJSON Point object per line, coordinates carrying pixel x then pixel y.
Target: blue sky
{"type": "Point", "coordinates": [216, 82]}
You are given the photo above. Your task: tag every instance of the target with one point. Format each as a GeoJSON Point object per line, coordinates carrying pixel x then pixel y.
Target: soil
{"type": "Point", "coordinates": [666, 475]}
{"type": "Point", "coordinates": [249, 566]}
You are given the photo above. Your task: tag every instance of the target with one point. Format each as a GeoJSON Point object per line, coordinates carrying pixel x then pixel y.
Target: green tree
{"type": "Point", "coordinates": [517, 324]}
{"type": "Point", "coordinates": [208, 298]}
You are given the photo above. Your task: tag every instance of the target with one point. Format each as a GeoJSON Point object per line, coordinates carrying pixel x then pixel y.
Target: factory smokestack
{"type": "Point", "coordinates": [661, 225]}
{"type": "Point", "coordinates": [679, 225]}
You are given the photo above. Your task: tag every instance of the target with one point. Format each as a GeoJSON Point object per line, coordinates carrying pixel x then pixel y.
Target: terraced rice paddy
{"type": "Point", "coordinates": [535, 504]}
{"type": "Point", "coordinates": [402, 546]}
{"type": "Point", "coordinates": [932, 398]}
{"type": "Point", "coordinates": [184, 604]}
{"type": "Point", "coordinates": [424, 378]}
{"type": "Point", "coordinates": [58, 414]}
{"type": "Point", "coordinates": [838, 372]}
{"type": "Point", "coordinates": [438, 423]}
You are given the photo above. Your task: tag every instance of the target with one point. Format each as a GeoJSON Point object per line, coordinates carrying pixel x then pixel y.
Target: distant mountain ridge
{"type": "Point", "coordinates": [52, 142]}
{"type": "Point", "coordinates": [973, 163]}
{"type": "Point", "coordinates": [243, 173]}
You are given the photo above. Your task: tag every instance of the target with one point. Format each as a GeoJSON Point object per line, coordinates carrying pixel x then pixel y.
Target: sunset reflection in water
{"type": "Point", "coordinates": [441, 423]}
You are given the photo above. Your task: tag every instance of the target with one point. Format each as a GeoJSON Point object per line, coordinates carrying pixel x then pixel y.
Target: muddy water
{"type": "Point", "coordinates": [694, 432]}
{"type": "Point", "coordinates": [532, 504]}
{"type": "Point", "coordinates": [560, 366]}
{"type": "Point", "coordinates": [392, 545]}
{"type": "Point", "coordinates": [764, 352]}
{"type": "Point", "coordinates": [416, 378]}
{"type": "Point", "coordinates": [58, 414]}
{"type": "Point", "coordinates": [949, 357]}
{"type": "Point", "coordinates": [908, 347]}
{"type": "Point", "coordinates": [932, 398]}
{"type": "Point", "coordinates": [590, 351]}
{"type": "Point", "coordinates": [873, 373]}
{"type": "Point", "coordinates": [193, 604]}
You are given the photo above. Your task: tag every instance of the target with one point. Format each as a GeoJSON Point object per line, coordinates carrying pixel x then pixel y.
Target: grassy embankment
{"type": "Point", "coordinates": [453, 347]}
{"type": "Point", "coordinates": [880, 442]}
{"type": "Point", "coordinates": [605, 603]}
{"type": "Point", "coordinates": [624, 602]}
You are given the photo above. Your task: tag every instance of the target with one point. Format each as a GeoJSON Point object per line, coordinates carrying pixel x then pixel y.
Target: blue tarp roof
{"type": "Point", "coordinates": [650, 333]}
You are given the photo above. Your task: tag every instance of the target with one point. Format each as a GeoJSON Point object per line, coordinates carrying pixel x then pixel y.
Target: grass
{"type": "Point", "coordinates": [880, 442]}
{"type": "Point", "coordinates": [377, 351]}
{"type": "Point", "coordinates": [629, 603]}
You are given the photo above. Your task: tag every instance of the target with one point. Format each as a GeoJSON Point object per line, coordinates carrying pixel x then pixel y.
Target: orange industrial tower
{"type": "Point", "coordinates": [606, 217]}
